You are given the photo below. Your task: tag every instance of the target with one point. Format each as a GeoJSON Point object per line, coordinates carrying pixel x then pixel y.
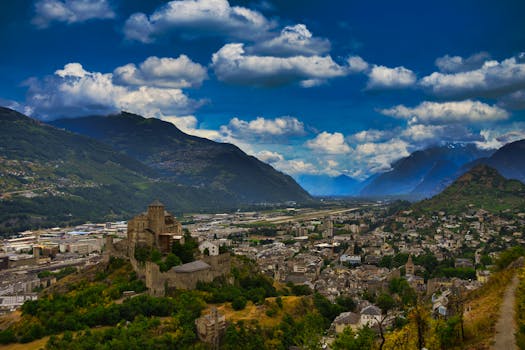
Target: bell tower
{"type": "Point", "coordinates": [156, 219]}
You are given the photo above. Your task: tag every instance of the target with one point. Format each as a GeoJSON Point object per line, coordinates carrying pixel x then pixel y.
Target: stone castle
{"type": "Point", "coordinates": [158, 229]}
{"type": "Point", "coordinates": [154, 228]}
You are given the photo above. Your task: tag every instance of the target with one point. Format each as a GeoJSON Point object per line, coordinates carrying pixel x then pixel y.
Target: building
{"type": "Point", "coordinates": [344, 320]}
{"type": "Point", "coordinates": [370, 316]}
{"type": "Point", "coordinates": [410, 268]}
{"type": "Point", "coordinates": [154, 228]}
{"type": "Point", "coordinates": [213, 249]}
{"type": "Point", "coordinates": [210, 327]}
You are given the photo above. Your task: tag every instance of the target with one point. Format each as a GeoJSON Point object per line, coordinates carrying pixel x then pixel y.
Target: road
{"type": "Point", "coordinates": [506, 325]}
{"type": "Point", "coordinates": [308, 216]}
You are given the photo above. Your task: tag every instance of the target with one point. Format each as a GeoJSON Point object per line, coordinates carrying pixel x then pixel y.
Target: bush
{"type": "Point", "coordinates": [239, 303]}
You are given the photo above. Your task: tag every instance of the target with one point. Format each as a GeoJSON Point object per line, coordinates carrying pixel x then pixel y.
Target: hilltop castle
{"type": "Point", "coordinates": [158, 229]}
{"type": "Point", "coordinates": [155, 228]}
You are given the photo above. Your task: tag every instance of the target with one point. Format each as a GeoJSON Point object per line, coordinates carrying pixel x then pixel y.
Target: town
{"type": "Point", "coordinates": [353, 251]}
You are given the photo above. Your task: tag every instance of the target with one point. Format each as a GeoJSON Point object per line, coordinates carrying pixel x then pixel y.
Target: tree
{"type": "Point", "coordinates": [348, 340]}
{"type": "Point", "coordinates": [239, 303]}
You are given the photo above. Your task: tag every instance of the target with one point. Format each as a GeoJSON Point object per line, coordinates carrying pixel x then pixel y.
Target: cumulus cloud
{"type": "Point", "coordinates": [294, 40]}
{"type": "Point", "coordinates": [231, 64]}
{"type": "Point", "coordinates": [184, 123]}
{"type": "Point", "coordinates": [269, 157]}
{"type": "Point", "coordinates": [493, 79]}
{"type": "Point", "coordinates": [295, 167]}
{"type": "Point", "coordinates": [263, 128]}
{"type": "Point", "coordinates": [381, 77]}
{"type": "Point", "coordinates": [456, 64]}
{"type": "Point", "coordinates": [74, 91]}
{"type": "Point", "coordinates": [422, 135]}
{"type": "Point", "coordinates": [198, 17]}
{"type": "Point", "coordinates": [379, 156]}
{"type": "Point", "coordinates": [448, 112]}
{"type": "Point", "coordinates": [70, 11]}
{"type": "Point", "coordinates": [329, 143]}
{"type": "Point", "coordinates": [164, 72]}
{"type": "Point", "coordinates": [371, 135]}
{"type": "Point", "coordinates": [356, 64]}
{"type": "Point", "coordinates": [494, 139]}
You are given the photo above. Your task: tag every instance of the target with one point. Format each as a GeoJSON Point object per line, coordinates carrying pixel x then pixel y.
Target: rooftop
{"type": "Point", "coordinates": [193, 266]}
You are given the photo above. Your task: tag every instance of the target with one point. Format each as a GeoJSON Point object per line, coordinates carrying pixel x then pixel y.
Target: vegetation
{"type": "Point", "coordinates": [520, 310]}
{"type": "Point", "coordinates": [91, 303]}
{"type": "Point", "coordinates": [480, 188]}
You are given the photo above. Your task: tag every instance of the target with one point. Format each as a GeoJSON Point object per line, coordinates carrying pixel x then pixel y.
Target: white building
{"type": "Point", "coordinates": [213, 249]}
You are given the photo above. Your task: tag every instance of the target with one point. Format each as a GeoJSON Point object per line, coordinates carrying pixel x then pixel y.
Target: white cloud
{"type": "Point", "coordinates": [356, 64]}
{"type": "Point", "coordinates": [269, 157]}
{"type": "Point", "coordinates": [198, 17]}
{"type": "Point", "coordinates": [371, 135]}
{"type": "Point", "coordinates": [294, 40]}
{"type": "Point", "coordinates": [263, 128]}
{"type": "Point", "coordinates": [164, 72]}
{"type": "Point", "coordinates": [232, 65]}
{"type": "Point", "coordinates": [379, 156]}
{"type": "Point", "coordinates": [329, 143]}
{"type": "Point", "coordinates": [70, 11]}
{"type": "Point", "coordinates": [381, 77]}
{"type": "Point", "coordinates": [448, 112]}
{"type": "Point", "coordinates": [295, 167]}
{"type": "Point", "coordinates": [456, 64]}
{"type": "Point", "coordinates": [74, 91]}
{"type": "Point", "coordinates": [493, 79]}
{"type": "Point", "coordinates": [494, 139]}
{"type": "Point", "coordinates": [184, 123]}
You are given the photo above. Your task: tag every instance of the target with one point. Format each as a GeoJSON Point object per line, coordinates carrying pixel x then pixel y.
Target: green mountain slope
{"type": "Point", "coordinates": [189, 159]}
{"type": "Point", "coordinates": [50, 176]}
{"type": "Point", "coordinates": [482, 187]}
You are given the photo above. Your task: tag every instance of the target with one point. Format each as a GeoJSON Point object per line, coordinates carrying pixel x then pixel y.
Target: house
{"type": "Point", "coordinates": [370, 316]}
{"type": "Point", "coordinates": [344, 320]}
{"type": "Point", "coordinates": [213, 249]}
{"type": "Point", "coordinates": [210, 327]}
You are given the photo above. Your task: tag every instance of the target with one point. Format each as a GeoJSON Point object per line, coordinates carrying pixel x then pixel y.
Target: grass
{"type": "Point", "coordinates": [292, 305]}
{"type": "Point", "coordinates": [482, 310]}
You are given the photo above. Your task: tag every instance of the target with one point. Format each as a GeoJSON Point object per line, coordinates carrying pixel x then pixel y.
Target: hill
{"type": "Point", "coordinates": [50, 176]}
{"type": "Point", "coordinates": [482, 187]}
{"type": "Point", "coordinates": [425, 172]}
{"type": "Point", "coordinates": [187, 159]}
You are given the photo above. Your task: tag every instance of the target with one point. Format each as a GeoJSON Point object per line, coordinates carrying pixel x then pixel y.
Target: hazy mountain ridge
{"type": "Point", "coordinates": [424, 172]}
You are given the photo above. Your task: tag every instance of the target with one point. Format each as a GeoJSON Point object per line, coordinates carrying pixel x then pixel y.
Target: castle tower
{"type": "Point", "coordinates": [410, 268]}
{"type": "Point", "coordinates": [156, 219]}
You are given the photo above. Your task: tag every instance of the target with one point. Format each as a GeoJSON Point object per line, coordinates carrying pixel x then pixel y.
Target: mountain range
{"type": "Point", "coordinates": [423, 173]}
{"type": "Point", "coordinates": [51, 176]}
{"type": "Point", "coordinates": [188, 160]}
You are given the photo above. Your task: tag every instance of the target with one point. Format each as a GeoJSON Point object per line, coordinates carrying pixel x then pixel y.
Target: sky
{"type": "Point", "coordinates": [310, 87]}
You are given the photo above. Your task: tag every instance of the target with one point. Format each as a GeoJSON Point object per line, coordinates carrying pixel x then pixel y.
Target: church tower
{"type": "Point", "coordinates": [156, 221]}
{"type": "Point", "coordinates": [410, 268]}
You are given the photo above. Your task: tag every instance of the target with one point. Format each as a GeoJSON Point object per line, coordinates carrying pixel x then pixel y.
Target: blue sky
{"type": "Point", "coordinates": [311, 87]}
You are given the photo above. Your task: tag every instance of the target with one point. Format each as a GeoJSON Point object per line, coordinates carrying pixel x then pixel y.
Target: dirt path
{"type": "Point", "coordinates": [506, 326]}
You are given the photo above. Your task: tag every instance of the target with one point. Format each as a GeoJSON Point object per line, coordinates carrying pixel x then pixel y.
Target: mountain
{"type": "Point", "coordinates": [50, 176]}
{"type": "Point", "coordinates": [509, 160]}
{"type": "Point", "coordinates": [324, 185]}
{"type": "Point", "coordinates": [423, 173]}
{"type": "Point", "coordinates": [482, 187]}
{"type": "Point", "coordinates": [187, 159]}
